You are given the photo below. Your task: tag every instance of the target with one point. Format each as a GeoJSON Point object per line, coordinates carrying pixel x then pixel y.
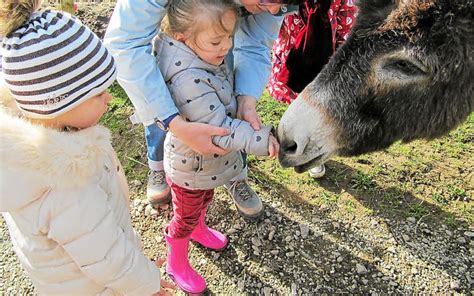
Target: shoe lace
{"type": "Point", "coordinates": [158, 177]}
{"type": "Point", "coordinates": [241, 188]}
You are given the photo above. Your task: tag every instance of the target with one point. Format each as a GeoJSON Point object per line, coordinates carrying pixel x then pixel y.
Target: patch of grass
{"type": "Point", "coordinates": [455, 192]}
{"type": "Point", "coordinates": [363, 181]}
{"type": "Point", "coordinates": [418, 210]}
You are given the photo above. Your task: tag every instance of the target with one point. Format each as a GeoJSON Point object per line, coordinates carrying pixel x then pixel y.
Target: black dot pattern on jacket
{"type": "Point", "coordinates": [178, 63]}
{"type": "Point", "coordinates": [183, 161]}
{"type": "Point", "coordinates": [197, 158]}
{"type": "Point", "coordinates": [209, 80]}
{"type": "Point", "coordinates": [216, 155]}
{"type": "Point", "coordinates": [197, 80]}
{"type": "Point", "coordinates": [187, 119]}
{"type": "Point", "coordinates": [229, 114]}
{"type": "Point", "coordinates": [227, 162]}
{"type": "Point", "coordinates": [214, 178]}
{"type": "Point", "coordinates": [172, 146]}
{"type": "Point", "coordinates": [171, 43]}
{"type": "Point", "coordinates": [235, 166]}
{"type": "Point", "coordinates": [258, 139]}
{"type": "Point", "coordinates": [212, 107]}
{"type": "Point", "coordinates": [186, 183]}
{"type": "Point", "coordinates": [233, 135]}
{"type": "Point", "coordinates": [189, 101]}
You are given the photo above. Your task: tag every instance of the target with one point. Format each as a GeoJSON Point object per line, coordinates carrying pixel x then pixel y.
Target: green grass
{"type": "Point", "coordinates": [407, 180]}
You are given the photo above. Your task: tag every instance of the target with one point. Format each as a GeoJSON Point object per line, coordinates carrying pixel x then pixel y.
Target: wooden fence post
{"type": "Point", "coordinates": [68, 6]}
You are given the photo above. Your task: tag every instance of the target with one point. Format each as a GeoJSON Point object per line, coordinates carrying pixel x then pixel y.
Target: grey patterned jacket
{"type": "Point", "coordinates": [204, 93]}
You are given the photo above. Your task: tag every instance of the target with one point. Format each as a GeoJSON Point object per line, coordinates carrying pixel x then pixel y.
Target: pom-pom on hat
{"type": "Point", "coordinates": [52, 63]}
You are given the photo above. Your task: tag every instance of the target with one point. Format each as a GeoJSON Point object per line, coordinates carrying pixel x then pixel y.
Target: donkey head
{"type": "Point", "coordinates": [406, 72]}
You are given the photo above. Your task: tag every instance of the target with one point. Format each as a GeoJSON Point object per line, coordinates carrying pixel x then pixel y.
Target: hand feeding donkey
{"type": "Point", "coordinates": [405, 73]}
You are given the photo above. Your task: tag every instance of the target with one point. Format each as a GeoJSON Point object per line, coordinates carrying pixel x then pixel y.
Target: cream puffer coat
{"type": "Point", "coordinates": [65, 200]}
{"type": "Point", "coordinates": [204, 93]}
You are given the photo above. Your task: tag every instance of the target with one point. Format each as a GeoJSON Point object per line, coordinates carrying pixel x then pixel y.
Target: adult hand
{"type": "Point", "coordinates": [198, 136]}
{"type": "Point", "coordinates": [246, 110]}
{"type": "Point", "coordinates": [164, 284]}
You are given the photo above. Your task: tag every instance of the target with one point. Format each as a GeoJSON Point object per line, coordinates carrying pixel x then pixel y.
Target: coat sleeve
{"type": "Point", "coordinates": [88, 231]}
{"type": "Point", "coordinates": [253, 40]}
{"type": "Point", "coordinates": [198, 101]}
{"type": "Point", "coordinates": [129, 36]}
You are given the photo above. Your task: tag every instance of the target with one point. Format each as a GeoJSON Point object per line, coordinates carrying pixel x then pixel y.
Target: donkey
{"type": "Point", "coordinates": [406, 72]}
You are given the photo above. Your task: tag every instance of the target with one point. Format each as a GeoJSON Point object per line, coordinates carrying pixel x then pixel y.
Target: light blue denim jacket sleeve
{"type": "Point", "coordinates": [135, 23]}
{"type": "Point", "coordinates": [253, 41]}
{"type": "Point", "coordinates": [132, 27]}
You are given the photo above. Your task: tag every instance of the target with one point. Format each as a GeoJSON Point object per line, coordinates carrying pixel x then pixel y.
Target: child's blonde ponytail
{"type": "Point", "coordinates": [14, 13]}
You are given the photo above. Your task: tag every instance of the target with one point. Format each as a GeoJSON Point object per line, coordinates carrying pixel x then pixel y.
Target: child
{"type": "Point", "coordinates": [190, 53]}
{"type": "Point", "coordinates": [64, 195]}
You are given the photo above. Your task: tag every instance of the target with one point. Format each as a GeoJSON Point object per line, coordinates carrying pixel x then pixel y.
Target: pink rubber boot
{"type": "Point", "coordinates": [179, 269]}
{"type": "Point", "coordinates": [208, 237]}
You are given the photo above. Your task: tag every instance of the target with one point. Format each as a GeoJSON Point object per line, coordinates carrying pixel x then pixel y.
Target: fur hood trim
{"type": "Point", "coordinates": [41, 158]}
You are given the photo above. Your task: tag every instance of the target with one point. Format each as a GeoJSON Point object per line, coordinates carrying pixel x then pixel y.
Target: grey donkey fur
{"type": "Point", "coordinates": [405, 73]}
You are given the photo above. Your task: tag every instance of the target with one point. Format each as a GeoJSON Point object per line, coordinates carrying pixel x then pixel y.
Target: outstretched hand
{"type": "Point", "coordinates": [164, 284]}
{"type": "Point", "coordinates": [273, 147]}
{"type": "Point", "coordinates": [247, 110]}
{"type": "Point", "coordinates": [198, 136]}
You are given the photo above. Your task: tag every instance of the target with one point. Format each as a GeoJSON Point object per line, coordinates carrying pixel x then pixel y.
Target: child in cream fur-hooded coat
{"type": "Point", "coordinates": [63, 194]}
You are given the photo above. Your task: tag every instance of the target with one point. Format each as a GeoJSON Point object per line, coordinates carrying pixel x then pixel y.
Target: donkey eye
{"type": "Point", "coordinates": [404, 67]}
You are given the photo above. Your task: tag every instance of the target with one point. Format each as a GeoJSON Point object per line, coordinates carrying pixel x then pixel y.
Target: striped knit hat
{"type": "Point", "coordinates": [53, 63]}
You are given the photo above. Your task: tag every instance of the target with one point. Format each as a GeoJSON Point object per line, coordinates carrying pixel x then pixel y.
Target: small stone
{"type": "Point", "coordinates": [231, 230]}
{"type": "Point", "coordinates": [135, 183]}
{"type": "Point", "coordinates": [148, 209]}
{"type": "Point", "coordinates": [267, 291]}
{"type": "Point", "coordinates": [274, 252]}
{"type": "Point", "coordinates": [340, 259]}
{"type": "Point", "coordinates": [304, 230]}
{"type": "Point", "coordinates": [461, 240]}
{"type": "Point", "coordinates": [411, 219]}
{"type": "Point", "coordinates": [256, 242]}
{"type": "Point", "coordinates": [414, 270]}
{"type": "Point", "coordinates": [165, 206]}
{"type": "Point", "coordinates": [241, 285]}
{"type": "Point", "coordinates": [405, 237]}
{"type": "Point", "coordinates": [294, 289]}
{"type": "Point", "coordinates": [290, 254]}
{"type": "Point", "coordinates": [469, 234]}
{"type": "Point", "coordinates": [271, 234]}
{"type": "Point", "coordinates": [449, 233]}
{"type": "Point", "coordinates": [360, 268]}
{"type": "Point", "coordinates": [202, 262]}
{"type": "Point", "coordinates": [455, 285]}
{"type": "Point", "coordinates": [154, 213]}
{"type": "Point", "coordinates": [365, 281]}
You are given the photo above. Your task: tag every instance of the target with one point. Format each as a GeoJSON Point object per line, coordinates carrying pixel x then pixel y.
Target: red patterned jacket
{"type": "Point", "coordinates": [303, 36]}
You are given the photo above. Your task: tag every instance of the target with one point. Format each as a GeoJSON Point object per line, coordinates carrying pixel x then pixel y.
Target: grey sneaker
{"type": "Point", "coordinates": [157, 190]}
{"type": "Point", "coordinates": [317, 172]}
{"type": "Point", "coordinates": [247, 202]}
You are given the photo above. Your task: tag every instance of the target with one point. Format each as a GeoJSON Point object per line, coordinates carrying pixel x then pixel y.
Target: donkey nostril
{"type": "Point", "coordinates": [290, 147]}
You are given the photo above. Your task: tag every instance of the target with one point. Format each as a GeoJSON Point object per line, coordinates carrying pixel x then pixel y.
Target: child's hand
{"type": "Point", "coordinates": [273, 147]}
{"type": "Point", "coordinates": [164, 284]}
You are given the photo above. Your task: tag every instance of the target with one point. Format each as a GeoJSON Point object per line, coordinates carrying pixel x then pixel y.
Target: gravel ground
{"type": "Point", "coordinates": [303, 250]}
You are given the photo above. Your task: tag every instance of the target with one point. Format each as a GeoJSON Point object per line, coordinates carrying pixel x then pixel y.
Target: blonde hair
{"type": "Point", "coordinates": [191, 15]}
{"type": "Point", "coordinates": [14, 13]}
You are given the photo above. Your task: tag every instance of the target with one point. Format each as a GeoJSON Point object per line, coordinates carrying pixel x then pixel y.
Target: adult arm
{"type": "Point", "coordinates": [89, 233]}
{"type": "Point", "coordinates": [131, 29]}
{"type": "Point", "coordinates": [253, 41]}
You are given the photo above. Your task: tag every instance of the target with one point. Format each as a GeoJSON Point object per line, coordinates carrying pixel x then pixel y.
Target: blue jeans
{"type": "Point", "coordinates": [155, 139]}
